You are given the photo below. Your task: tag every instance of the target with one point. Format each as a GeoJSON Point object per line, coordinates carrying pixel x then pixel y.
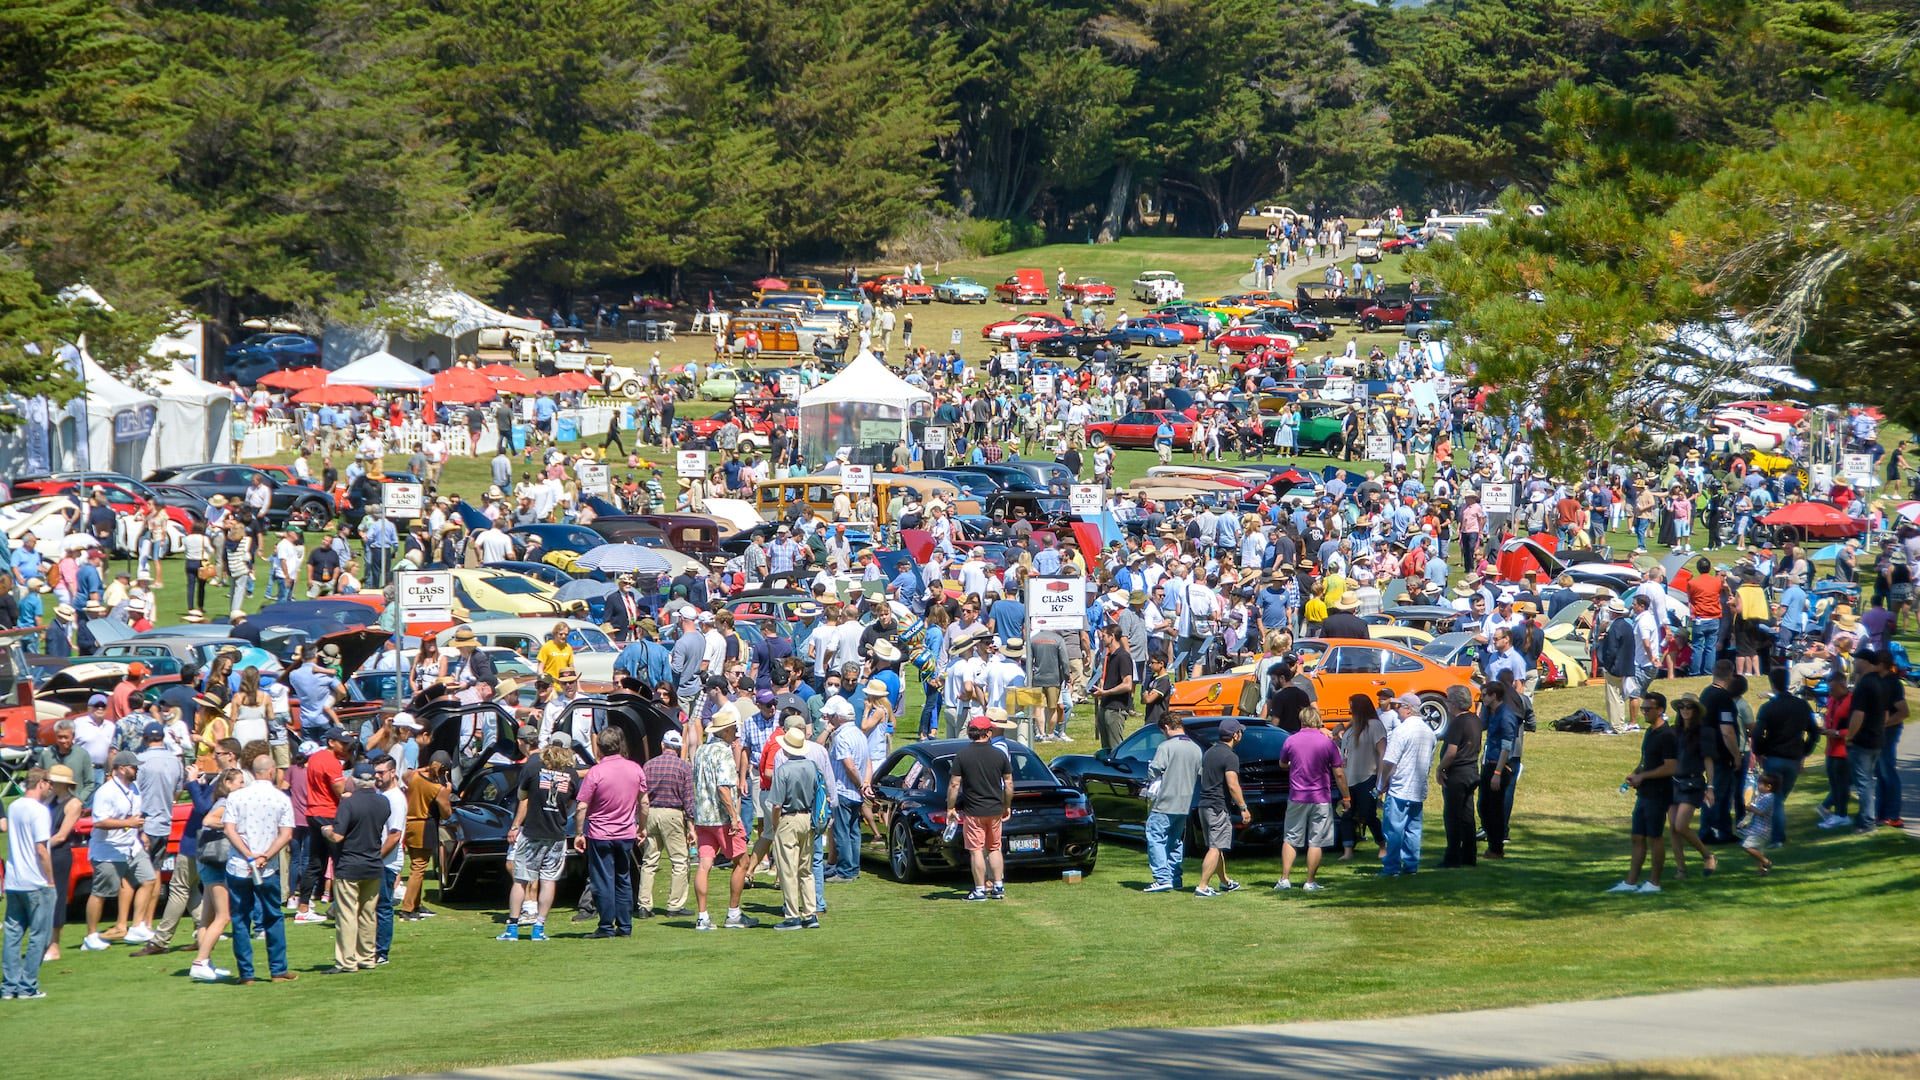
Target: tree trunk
{"type": "Point", "coordinates": [1114, 222]}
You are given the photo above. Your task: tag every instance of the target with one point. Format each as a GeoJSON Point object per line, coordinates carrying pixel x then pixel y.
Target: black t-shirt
{"type": "Point", "coordinates": [1657, 747]}
{"type": "Point", "coordinates": [1343, 624]}
{"type": "Point", "coordinates": [1717, 713]}
{"type": "Point", "coordinates": [982, 768]}
{"type": "Point", "coordinates": [324, 563]}
{"type": "Point", "coordinates": [1215, 764]}
{"type": "Point", "coordinates": [1119, 666]}
{"type": "Point", "coordinates": [1465, 732]}
{"type": "Point", "coordinates": [1284, 705]}
{"type": "Point", "coordinates": [362, 825]}
{"type": "Point", "coordinates": [1162, 685]}
{"type": "Point", "coordinates": [548, 794]}
{"type": "Point", "coordinates": [1695, 747]}
{"type": "Point", "coordinates": [1784, 728]}
{"type": "Point", "coordinates": [1870, 699]}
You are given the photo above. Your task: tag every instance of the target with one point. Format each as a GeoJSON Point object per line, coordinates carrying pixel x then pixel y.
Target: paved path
{"type": "Point", "coordinates": [1798, 1020]}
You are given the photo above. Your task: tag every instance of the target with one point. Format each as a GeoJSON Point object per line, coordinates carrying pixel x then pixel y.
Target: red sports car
{"type": "Point", "coordinates": [1027, 328]}
{"type": "Point", "coordinates": [125, 494]}
{"type": "Point", "coordinates": [1137, 429]}
{"type": "Point", "coordinates": [1089, 290]}
{"type": "Point", "coordinates": [753, 421]}
{"type": "Point", "coordinates": [1240, 339]}
{"type": "Point", "coordinates": [1778, 411]}
{"type": "Point", "coordinates": [1189, 332]}
{"type": "Point", "coordinates": [897, 287]}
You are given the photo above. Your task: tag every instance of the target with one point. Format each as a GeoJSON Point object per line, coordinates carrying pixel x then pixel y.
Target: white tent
{"type": "Point", "coordinates": [454, 314]}
{"type": "Point", "coordinates": [194, 418]}
{"type": "Point", "coordinates": [864, 409]}
{"type": "Point", "coordinates": [381, 371]}
{"type": "Point", "coordinates": [112, 426]}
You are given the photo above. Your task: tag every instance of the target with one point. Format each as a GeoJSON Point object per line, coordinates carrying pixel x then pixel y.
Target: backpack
{"type": "Point", "coordinates": [822, 816]}
{"type": "Point", "coordinates": [1584, 722]}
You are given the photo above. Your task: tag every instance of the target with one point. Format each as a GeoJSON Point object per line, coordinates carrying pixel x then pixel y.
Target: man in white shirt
{"type": "Point", "coordinates": [121, 867]}
{"type": "Point", "coordinates": [386, 780]}
{"type": "Point", "coordinates": [1007, 668]}
{"type": "Point", "coordinates": [966, 681]}
{"type": "Point", "coordinates": [1646, 645]}
{"type": "Point", "coordinates": [973, 575]}
{"type": "Point", "coordinates": [494, 544]}
{"type": "Point", "coordinates": [436, 454]}
{"type": "Point", "coordinates": [259, 825]}
{"type": "Point", "coordinates": [1404, 766]}
{"type": "Point", "coordinates": [288, 555]}
{"type": "Point", "coordinates": [30, 893]}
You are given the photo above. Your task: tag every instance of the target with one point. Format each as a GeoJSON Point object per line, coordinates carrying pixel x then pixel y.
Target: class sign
{"type": "Point", "coordinates": [1057, 603]}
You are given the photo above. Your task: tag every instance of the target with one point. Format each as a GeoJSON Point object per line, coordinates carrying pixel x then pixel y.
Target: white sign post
{"type": "Point", "coordinates": [693, 464]}
{"type": "Point", "coordinates": [1379, 447]}
{"type": "Point", "coordinates": [1156, 372]}
{"type": "Point", "coordinates": [956, 335]}
{"type": "Point", "coordinates": [857, 478]}
{"type": "Point", "coordinates": [1057, 603]}
{"type": "Point", "coordinates": [1497, 498]}
{"type": "Point", "coordinates": [1087, 498]}
{"type": "Point", "coordinates": [936, 438]}
{"type": "Point", "coordinates": [401, 500]}
{"type": "Point", "coordinates": [1857, 468]}
{"type": "Point", "coordinates": [790, 386]}
{"type": "Point", "coordinates": [426, 596]}
{"type": "Point", "coordinates": [594, 479]}
{"type": "Point", "coordinates": [1043, 385]}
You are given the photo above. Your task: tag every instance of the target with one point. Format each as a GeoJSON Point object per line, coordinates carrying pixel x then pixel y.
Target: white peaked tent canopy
{"type": "Point", "coordinates": [89, 431]}
{"type": "Point", "coordinates": [193, 419]}
{"type": "Point", "coordinates": [864, 408]}
{"type": "Point", "coordinates": [381, 371]}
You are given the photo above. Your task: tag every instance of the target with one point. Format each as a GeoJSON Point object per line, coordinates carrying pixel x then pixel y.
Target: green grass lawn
{"type": "Point", "coordinates": [898, 960]}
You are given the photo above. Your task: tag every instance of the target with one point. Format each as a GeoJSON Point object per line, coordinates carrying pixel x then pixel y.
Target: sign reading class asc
{"type": "Point", "coordinates": [1057, 603]}
{"type": "Point", "coordinates": [425, 595]}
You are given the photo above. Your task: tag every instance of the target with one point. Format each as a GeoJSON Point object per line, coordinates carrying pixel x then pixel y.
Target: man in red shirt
{"type": "Point", "coordinates": [326, 781]}
{"type": "Point", "coordinates": [120, 702]}
{"type": "Point", "coordinates": [1706, 596]}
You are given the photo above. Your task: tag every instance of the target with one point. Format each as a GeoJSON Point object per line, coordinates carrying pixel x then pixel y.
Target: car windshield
{"type": "Point", "coordinates": [515, 586]}
{"type": "Point", "coordinates": [1026, 766]}
{"type": "Point", "coordinates": [590, 639]}
{"type": "Point", "coordinates": [1258, 742]}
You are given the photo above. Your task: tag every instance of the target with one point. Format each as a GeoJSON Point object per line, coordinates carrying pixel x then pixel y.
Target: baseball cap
{"type": "Point", "coordinates": [983, 723]}
{"type": "Point", "coordinates": [406, 720]}
{"type": "Point", "coordinates": [98, 699]}
{"type": "Point", "coordinates": [363, 771]}
{"type": "Point", "coordinates": [1231, 727]}
{"type": "Point", "coordinates": [336, 733]}
{"type": "Point", "coordinates": [764, 697]}
{"type": "Point", "coordinates": [440, 757]}
{"type": "Point", "coordinates": [559, 738]}
{"type": "Point", "coordinates": [307, 748]}
{"type": "Point", "coordinates": [153, 732]}
{"type": "Point", "coordinates": [529, 733]}
{"type": "Point", "coordinates": [673, 740]}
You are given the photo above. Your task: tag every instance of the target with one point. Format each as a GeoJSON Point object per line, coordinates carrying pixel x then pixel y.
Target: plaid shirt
{"type": "Point", "coordinates": [668, 779]}
{"type": "Point", "coordinates": [756, 731]}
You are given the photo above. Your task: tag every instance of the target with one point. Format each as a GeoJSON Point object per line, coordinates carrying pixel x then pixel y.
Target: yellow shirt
{"type": "Point", "coordinates": [555, 657]}
{"type": "Point", "coordinates": [1316, 610]}
{"type": "Point", "coordinates": [1336, 588]}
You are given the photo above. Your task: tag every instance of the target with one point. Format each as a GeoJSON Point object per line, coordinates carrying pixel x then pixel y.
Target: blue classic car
{"type": "Point", "coordinates": [960, 290]}
{"type": "Point", "coordinates": [1159, 337]}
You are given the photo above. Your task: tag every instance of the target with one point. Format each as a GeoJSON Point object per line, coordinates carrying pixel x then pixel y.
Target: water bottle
{"type": "Point", "coordinates": [953, 828]}
{"type": "Point", "coordinates": [1626, 788]}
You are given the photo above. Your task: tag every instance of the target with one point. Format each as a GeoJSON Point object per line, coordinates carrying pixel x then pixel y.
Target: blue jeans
{"type": "Point", "coordinates": [383, 910]}
{"type": "Point", "coordinates": [278, 589]}
{"type": "Point", "coordinates": [1640, 532]}
{"type": "Point", "coordinates": [1404, 820]}
{"type": "Point", "coordinates": [297, 854]}
{"type": "Point", "coordinates": [1706, 646]}
{"type": "Point", "coordinates": [1716, 821]}
{"type": "Point", "coordinates": [1166, 846]}
{"type": "Point", "coordinates": [1786, 770]}
{"type": "Point", "coordinates": [820, 871]}
{"type": "Point", "coordinates": [846, 839]}
{"type": "Point", "coordinates": [610, 875]}
{"type": "Point", "coordinates": [1890, 794]}
{"type": "Point", "coordinates": [930, 712]}
{"type": "Point", "coordinates": [1866, 784]}
{"type": "Point", "coordinates": [29, 927]}
{"type": "Point", "coordinates": [257, 906]}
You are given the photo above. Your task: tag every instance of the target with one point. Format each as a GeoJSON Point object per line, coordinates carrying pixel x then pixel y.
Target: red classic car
{"type": "Point", "coordinates": [1137, 429]}
{"type": "Point", "coordinates": [754, 424]}
{"type": "Point", "coordinates": [1189, 332]}
{"type": "Point", "coordinates": [1027, 328]}
{"type": "Point", "coordinates": [1240, 339]}
{"type": "Point", "coordinates": [1024, 287]}
{"type": "Point", "coordinates": [1089, 290]}
{"type": "Point", "coordinates": [125, 494]}
{"type": "Point", "coordinates": [896, 287]}
{"type": "Point", "coordinates": [1385, 313]}
{"type": "Point", "coordinates": [1781, 412]}
{"type": "Point", "coordinates": [83, 867]}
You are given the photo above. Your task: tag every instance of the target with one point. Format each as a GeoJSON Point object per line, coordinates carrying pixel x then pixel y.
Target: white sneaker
{"type": "Point", "coordinates": [1283, 883]}
{"type": "Point", "coordinates": [1313, 886]}
{"type": "Point", "coordinates": [1648, 887]}
{"type": "Point", "coordinates": [203, 973]}
{"type": "Point", "coordinates": [309, 917]}
{"type": "Point", "coordinates": [1625, 887]}
{"type": "Point", "coordinates": [139, 935]}
{"type": "Point", "coordinates": [96, 943]}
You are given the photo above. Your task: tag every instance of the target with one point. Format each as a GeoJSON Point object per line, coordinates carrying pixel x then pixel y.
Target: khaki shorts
{"type": "Point", "coordinates": [109, 876]}
{"type": "Point", "coordinates": [1310, 824]}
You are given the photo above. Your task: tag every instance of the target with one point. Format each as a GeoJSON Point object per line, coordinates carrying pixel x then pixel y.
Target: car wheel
{"type": "Point", "coordinates": [1371, 326]}
{"type": "Point", "coordinates": [1433, 710]}
{"type": "Point", "coordinates": [1073, 352]}
{"type": "Point", "coordinates": [1331, 447]}
{"type": "Point", "coordinates": [630, 388]}
{"type": "Point", "coordinates": [1426, 335]}
{"type": "Point", "coordinates": [1096, 439]}
{"type": "Point", "coordinates": [900, 857]}
{"type": "Point", "coordinates": [314, 515]}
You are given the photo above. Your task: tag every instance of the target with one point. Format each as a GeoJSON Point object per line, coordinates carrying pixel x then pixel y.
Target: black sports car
{"type": "Point", "coordinates": [1074, 343]}
{"type": "Point", "coordinates": [1113, 783]}
{"type": "Point", "coordinates": [292, 504]}
{"type": "Point", "coordinates": [1051, 826]}
{"type": "Point", "coordinates": [486, 775]}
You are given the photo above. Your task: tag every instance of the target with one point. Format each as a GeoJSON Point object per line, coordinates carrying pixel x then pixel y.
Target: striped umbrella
{"type": "Point", "coordinates": [623, 559]}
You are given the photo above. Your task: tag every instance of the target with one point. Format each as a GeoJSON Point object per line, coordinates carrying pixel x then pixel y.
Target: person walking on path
{"type": "Point", "coordinates": [539, 833]}
{"type": "Point", "coordinates": [669, 786]}
{"type": "Point", "coordinates": [359, 833]}
{"type": "Point", "coordinates": [1404, 765]}
{"type": "Point", "coordinates": [1653, 781]}
{"type": "Point", "coordinates": [981, 794]}
{"type": "Point", "coordinates": [1459, 771]}
{"type": "Point", "coordinates": [1172, 774]}
{"type": "Point", "coordinates": [608, 815]}
{"type": "Point", "coordinates": [30, 893]}
{"type": "Point", "coordinates": [1784, 734]}
{"type": "Point", "coordinates": [1314, 768]}
{"type": "Point", "coordinates": [258, 822]}
{"type": "Point", "coordinates": [1219, 791]}
{"type": "Point", "coordinates": [798, 784]}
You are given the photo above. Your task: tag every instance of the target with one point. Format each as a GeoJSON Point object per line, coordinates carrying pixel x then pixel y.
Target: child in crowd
{"type": "Point", "coordinates": [1758, 831]}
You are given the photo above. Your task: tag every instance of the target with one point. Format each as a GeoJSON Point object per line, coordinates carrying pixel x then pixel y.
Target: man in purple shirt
{"type": "Point", "coordinates": [606, 821]}
{"type": "Point", "coordinates": [1314, 769]}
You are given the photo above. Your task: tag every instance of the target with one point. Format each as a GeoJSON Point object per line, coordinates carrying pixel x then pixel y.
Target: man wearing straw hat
{"type": "Point", "coordinates": [797, 783]}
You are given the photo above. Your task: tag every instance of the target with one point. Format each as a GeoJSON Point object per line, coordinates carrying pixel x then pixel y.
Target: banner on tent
{"type": "Point", "coordinates": [133, 425]}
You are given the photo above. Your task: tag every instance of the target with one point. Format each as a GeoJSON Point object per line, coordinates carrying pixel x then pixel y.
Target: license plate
{"type": "Point", "coordinates": [166, 865]}
{"type": "Point", "coordinates": [1023, 843]}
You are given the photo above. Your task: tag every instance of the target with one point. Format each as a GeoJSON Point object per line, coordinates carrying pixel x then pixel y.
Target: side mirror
{"type": "Point", "coordinates": [1103, 757]}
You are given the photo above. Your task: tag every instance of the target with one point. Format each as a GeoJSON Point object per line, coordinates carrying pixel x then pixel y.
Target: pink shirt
{"type": "Point", "coordinates": [611, 793]}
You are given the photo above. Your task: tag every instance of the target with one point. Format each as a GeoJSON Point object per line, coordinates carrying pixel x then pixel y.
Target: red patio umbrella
{"type": "Point", "coordinates": [462, 386]}
{"type": "Point", "coordinates": [770, 283]}
{"type": "Point", "coordinates": [293, 378]}
{"type": "Point", "coordinates": [502, 373]}
{"type": "Point", "coordinates": [334, 395]}
{"type": "Point", "coordinates": [564, 381]}
{"type": "Point", "coordinates": [1815, 520]}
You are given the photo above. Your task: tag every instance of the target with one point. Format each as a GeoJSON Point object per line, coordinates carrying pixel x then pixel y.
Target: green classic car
{"type": "Point", "coordinates": [721, 384]}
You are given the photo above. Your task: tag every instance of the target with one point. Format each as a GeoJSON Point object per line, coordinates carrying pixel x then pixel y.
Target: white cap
{"type": "Point", "coordinates": [672, 740]}
{"type": "Point", "coordinates": [406, 720]}
{"type": "Point", "coordinates": [837, 706]}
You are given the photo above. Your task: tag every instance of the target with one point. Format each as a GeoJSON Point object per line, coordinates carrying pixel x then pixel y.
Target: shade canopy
{"type": "Point", "coordinates": [452, 313]}
{"type": "Point", "coordinates": [863, 410]}
{"type": "Point", "coordinates": [300, 378]}
{"type": "Point", "coordinates": [381, 371]}
{"type": "Point", "coordinates": [334, 395]}
{"type": "Point", "coordinates": [866, 380]}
